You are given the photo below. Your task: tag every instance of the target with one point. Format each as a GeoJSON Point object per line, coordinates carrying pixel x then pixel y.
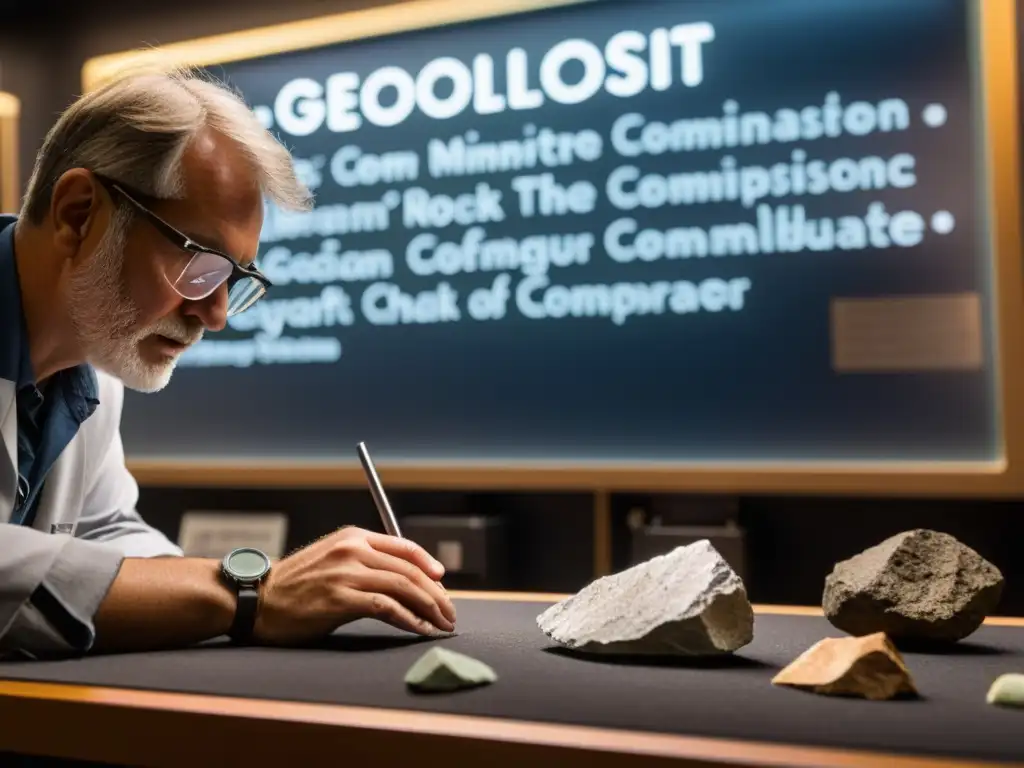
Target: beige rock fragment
{"type": "Point", "coordinates": [868, 667]}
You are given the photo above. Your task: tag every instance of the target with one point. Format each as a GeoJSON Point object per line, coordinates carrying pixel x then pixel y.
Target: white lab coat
{"type": "Point", "coordinates": [54, 575]}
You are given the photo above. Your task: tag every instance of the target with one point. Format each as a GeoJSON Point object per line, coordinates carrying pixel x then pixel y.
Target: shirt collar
{"type": "Point", "coordinates": [15, 357]}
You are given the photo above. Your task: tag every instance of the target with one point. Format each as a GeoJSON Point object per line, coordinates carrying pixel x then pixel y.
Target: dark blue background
{"type": "Point", "coordinates": [752, 385]}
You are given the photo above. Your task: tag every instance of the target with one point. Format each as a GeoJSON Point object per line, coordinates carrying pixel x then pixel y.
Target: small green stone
{"type": "Point", "coordinates": [442, 670]}
{"type": "Point", "coordinates": [1007, 691]}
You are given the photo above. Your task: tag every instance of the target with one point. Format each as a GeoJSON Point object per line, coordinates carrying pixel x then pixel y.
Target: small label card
{"type": "Point", "coordinates": [214, 534]}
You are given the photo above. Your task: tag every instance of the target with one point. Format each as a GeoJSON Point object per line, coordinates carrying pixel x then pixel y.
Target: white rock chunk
{"type": "Point", "coordinates": [440, 669]}
{"type": "Point", "coordinates": [688, 602]}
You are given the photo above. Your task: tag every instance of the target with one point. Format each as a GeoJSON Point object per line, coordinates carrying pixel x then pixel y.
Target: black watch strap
{"type": "Point", "coordinates": [245, 614]}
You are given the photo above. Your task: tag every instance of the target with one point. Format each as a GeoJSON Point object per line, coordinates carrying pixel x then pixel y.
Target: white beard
{"type": "Point", "coordinates": [105, 317]}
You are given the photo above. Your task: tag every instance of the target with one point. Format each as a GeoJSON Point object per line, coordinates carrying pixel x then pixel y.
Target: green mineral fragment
{"type": "Point", "coordinates": [442, 670]}
{"type": "Point", "coordinates": [1007, 691]}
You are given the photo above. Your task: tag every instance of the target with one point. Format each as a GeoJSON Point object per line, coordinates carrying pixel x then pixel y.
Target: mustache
{"type": "Point", "coordinates": [178, 330]}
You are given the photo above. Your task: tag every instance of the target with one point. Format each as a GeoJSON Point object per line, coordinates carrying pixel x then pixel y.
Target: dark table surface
{"type": "Point", "coordinates": [364, 664]}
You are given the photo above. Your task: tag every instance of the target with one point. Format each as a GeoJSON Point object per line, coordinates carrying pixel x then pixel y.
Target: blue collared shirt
{"type": "Point", "coordinates": [48, 416]}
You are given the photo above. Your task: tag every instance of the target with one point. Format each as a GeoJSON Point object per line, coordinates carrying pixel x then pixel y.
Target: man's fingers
{"type": "Point", "coordinates": [406, 550]}
{"type": "Point", "coordinates": [382, 607]}
{"type": "Point", "coordinates": [408, 593]}
{"type": "Point", "coordinates": [384, 562]}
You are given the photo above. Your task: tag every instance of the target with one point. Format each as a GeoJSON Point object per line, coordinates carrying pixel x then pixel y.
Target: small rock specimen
{"type": "Point", "coordinates": [442, 670]}
{"type": "Point", "coordinates": [919, 585]}
{"type": "Point", "coordinates": [687, 602]}
{"type": "Point", "coordinates": [1007, 691]}
{"type": "Point", "coordinates": [867, 667]}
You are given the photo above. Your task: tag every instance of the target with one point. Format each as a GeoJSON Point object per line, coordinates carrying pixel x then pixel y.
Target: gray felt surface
{"type": "Point", "coordinates": [364, 663]}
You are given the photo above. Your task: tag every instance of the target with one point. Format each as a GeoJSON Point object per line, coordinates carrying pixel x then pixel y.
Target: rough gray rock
{"type": "Point", "coordinates": [688, 602]}
{"type": "Point", "coordinates": [919, 585]}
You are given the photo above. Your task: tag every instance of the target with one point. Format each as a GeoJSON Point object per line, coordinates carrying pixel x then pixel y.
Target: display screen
{"type": "Point", "coordinates": [677, 231]}
{"type": "Point", "coordinates": [247, 564]}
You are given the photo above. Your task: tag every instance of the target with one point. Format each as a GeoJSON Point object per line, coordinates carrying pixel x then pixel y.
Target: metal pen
{"type": "Point", "coordinates": [377, 491]}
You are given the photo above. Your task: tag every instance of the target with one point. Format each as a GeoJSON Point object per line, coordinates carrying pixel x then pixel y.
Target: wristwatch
{"type": "Point", "coordinates": [245, 567]}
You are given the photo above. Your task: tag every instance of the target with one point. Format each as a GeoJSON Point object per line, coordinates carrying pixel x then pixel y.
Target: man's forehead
{"type": "Point", "coordinates": [222, 196]}
{"type": "Point", "coordinates": [218, 173]}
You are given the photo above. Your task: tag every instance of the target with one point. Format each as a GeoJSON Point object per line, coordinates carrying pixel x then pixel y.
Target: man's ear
{"type": "Point", "coordinates": [76, 211]}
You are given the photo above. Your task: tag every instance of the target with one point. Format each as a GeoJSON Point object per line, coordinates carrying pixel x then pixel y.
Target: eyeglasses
{"type": "Point", "coordinates": [206, 268]}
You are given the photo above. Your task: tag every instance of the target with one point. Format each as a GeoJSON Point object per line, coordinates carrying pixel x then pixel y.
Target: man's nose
{"type": "Point", "coordinates": [212, 311]}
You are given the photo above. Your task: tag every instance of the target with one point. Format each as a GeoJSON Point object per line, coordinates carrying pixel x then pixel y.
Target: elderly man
{"type": "Point", "coordinates": [138, 233]}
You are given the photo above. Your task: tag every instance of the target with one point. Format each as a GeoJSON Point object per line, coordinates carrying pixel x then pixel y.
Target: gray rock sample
{"type": "Point", "coordinates": [688, 602]}
{"type": "Point", "coordinates": [442, 670]}
{"type": "Point", "coordinates": [919, 586]}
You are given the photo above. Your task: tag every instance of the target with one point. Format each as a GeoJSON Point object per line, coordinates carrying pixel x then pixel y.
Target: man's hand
{"type": "Point", "coordinates": [349, 575]}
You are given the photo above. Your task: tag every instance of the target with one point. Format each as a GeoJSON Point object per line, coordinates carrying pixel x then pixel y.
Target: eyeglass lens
{"type": "Point", "coordinates": [206, 272]}
{"type": "Point", "coordinates": [243, 294]}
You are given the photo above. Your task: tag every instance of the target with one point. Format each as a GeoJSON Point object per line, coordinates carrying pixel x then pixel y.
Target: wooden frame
{"type": "Point", "coordinates": [144, 727]}
{"type": "Point", "coordinates": [995, 42]}
{"type": "Point", "coordinates": [10, 181]}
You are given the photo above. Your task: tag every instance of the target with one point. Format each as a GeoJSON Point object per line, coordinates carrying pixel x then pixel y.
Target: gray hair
{"type": "Point", "coordinates": [135, 129]}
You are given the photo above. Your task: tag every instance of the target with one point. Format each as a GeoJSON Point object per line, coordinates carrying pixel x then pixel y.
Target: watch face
{"type": "Point", "coordinates": [247, 564]}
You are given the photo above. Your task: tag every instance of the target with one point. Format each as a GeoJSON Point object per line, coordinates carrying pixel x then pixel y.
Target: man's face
{"type": "Point", "coordinates": [135, 336]}
{"type": "Point", "coordinates": [130, 320]}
